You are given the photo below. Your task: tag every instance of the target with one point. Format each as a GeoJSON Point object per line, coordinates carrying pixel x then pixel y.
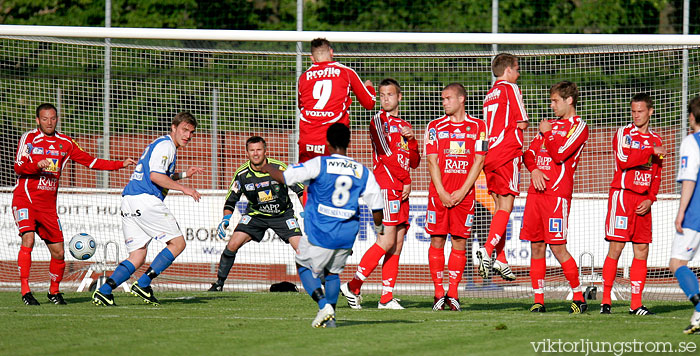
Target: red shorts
{"type": "Point", "coordinates": [395, 210]}
{"type": "Point", "coordinates": [546, 218]}
{"type": "Point", "coordinates": [622, 223]}
{"type": "Point", "coordinates": [505, 179]}
{"type": "Point", "coordinates": [456, 221]}
{"type": "Point", "coordinates": [44, 222]}
{"type": "Point", "coordinates": [308, 151]}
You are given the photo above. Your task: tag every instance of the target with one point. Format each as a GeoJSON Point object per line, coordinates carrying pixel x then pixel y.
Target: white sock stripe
{"type": "Point", "coordinates": [538, 291]}
{"type": "Point", "coordinates": [360, 276]}
{"type": "Point", "coordinates": [387, 289]}
{"type": "Point", "coordinates": [576, 289]}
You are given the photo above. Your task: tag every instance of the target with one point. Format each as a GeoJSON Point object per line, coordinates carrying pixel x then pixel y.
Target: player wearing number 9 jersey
{"type": "Point", "coordinates": [324, 98]}
{"type": "Point", "coordinates": [332, 218]}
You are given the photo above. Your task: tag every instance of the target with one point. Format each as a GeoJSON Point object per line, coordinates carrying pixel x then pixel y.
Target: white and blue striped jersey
{"type": "Point", "coordinates": [332, 212]}
{"type": "Point", "coordinates": [160, 157]}
{"type": "Point", "coordinates": [689, 169]}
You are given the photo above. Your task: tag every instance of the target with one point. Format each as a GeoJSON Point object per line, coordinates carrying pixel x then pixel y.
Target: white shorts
{"type": "Point", "coordinates": [685, 245]}
{"type": "Point", "coordinates": [318, 259]}
{"type": "Point", "coordinates": [145, 217]}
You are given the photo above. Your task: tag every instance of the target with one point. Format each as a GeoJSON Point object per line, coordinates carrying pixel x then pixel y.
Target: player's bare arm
{"type": "Point", "coordinates": [459, 194]}
{"type": "Point", "coordinates": [166, 182]}
{"type": "Point", "coordinates": [436, 177]}
{"type": "Point", "coordinates": [687, 189]}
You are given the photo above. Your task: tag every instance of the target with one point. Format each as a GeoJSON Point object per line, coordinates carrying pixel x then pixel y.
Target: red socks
{"type": "Point", "coordinates": [369, 262]}
{"type": "Point", "coordinates": [436, 263]}
{"type": "Point", "coordinates": [56, 269]}
{"type": "Point", "coordinates": [24, 264]}
{"type": "Point", "coordinates": [499, 223]}
{"type": "Point", "coordinates": [638, 276]}
{"type": "Point", "coordinates": [609, 274]}
{"type": "Point", "coordinates": [571, 274]}
{"type": "Point", "coordinates": [538, 269]}
{"type": "Point", "coordinates": [455, 268]}
{"type": "Point", "coordinates": [390, 270]}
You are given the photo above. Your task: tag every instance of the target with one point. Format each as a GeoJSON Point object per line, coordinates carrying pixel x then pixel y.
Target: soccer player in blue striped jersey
{"type": "Point", "coordinates": [145, 217]}
{"type": "Point", "coordinates": [332, 217]}
{"type": "Point", "coordinates": [687, 240]}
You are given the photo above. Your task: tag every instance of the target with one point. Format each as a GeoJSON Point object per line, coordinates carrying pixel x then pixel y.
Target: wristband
{"type": "Point", "coordinates": [183, 175]}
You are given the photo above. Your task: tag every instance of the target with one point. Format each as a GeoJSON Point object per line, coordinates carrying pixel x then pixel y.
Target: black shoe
{"type": "Point", "coordinates": [216, 287]}
{"type": "Point", "coordinates": [538, 308]}
{"type": "Point", "coordinates": [29, 299]}
{"type": "Point", "coordinates": [103, 299]}
{"type": "Point", "coordinates": [641, 311]}
{"type": "Point", "coordinates": [144, 292]}
{"type": "Point", "coordinates": [56, 298]}
{"type": "Point", "coordinates": [605, 309]}
{"type": "Point", "coordinates": [578, 307]}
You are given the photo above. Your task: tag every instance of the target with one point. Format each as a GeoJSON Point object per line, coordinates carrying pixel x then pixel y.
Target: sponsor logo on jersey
{"type": "Point", "coordinates": [635, 144]}
{"type": "Point", "coordinates": [431, 217]}
{"type": "Point", "coordinates": [642, 178]}
{"type": "Point", "coordinates": [47, 183]}
{"type": "Point", "coordinates": [459, 135]}
{"type": "Point", "coordinates": [245, 219]}
{"type": "Point", "coordinates": [52, 153]}
{"type": "Point", "coordinates": [443, 134]}
{"type": "Point", "coordinates": [292, 224]}
{"type": "Point", "coordinates": [315, 113]}
{"type": "Point", "coordinates": [621, 222]}
{"type": "Point", "coordinates": [51, 147]}
{"type": "Point", "coordinates": [456, 166]}
{"type": "Point", "coordinates": [555, 225]}
{"type": "Point", "coordinates": [394, 206]}
{"type": "Point", "coordinates": [626, 141]}
{"type": "Point", "coordinates": [53, 166]}
{"type": "Point", "coordinates": [262, 184]}
{"type": "Point", "coordinates": [322, 73]}
{"type": "Point", "coordinates": [38, 151]}
{"type": "Point", "coordinates": [458, 148]}
{"type": "Point", "coordinates": [21, 214]}
{"type": "Point", "coordinates": [493, 95]}
{"type": "Point", "coordinates": [470, 220]}
{"type": "Point", "coordinates": [393, 129]}
{"type": "Point", "coordinates": [482, 136]}
{"type": "Point", "coordinates": [265, 195]}
{"type": "Point", "coordinates": [316, 148]}
{"type": "Point", "coordinates": [403, 144]}
{"type": "Point", "coordinates": [432, 134]}
{"type": "Point", "coordinates": [270, 208]}
{"type": "Point", "coordinates": [471, 136]}
{"type": "Point", "coordinates": [250, 187]}
{"type": "Point", "coordinates": [344, 167]}
{"type": "Point", "coordinates": [571, 131]}
{"type": "Point", "coordinates": [684, 162]}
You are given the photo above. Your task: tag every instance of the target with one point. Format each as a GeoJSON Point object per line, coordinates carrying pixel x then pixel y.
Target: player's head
{"type": "Point", "coordinates": [694, 113]}
{"type": "Point", "coordinates": [389, 94]}
{"type": "Point", "coordinates": [256, 150]}
{"type": "Point", "coordinates": [506, 65]}
{"type": "Point", "coordinates": [321, 50]}
{"type": "Point", "coordinates": [642, 107]}
{"type": "Point", "coordinates": [47, 118]}
{"type": "Point", "coordinates": [338, 137]}
{"type": "Point", "coordinates": [182, 128]}
{"type": "Point", "coordinates": [453, 97]}
{"type": "Point", "coordinates": [563, 98]}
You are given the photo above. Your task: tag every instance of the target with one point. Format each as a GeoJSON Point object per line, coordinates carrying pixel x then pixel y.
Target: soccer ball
{"type": "Point", "coordinates": [82, 246]}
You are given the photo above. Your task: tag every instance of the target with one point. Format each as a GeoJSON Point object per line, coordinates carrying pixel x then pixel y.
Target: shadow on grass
{"type": "Point", "coordinates": [373, 322]}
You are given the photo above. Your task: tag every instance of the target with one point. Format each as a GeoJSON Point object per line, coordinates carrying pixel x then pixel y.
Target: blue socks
{"type": "Point", "coordinates": [332, 288]}
{"type": "Point", "coordinates": [164, 259]}
{"type": "Point", "coordinates": [688, 282]}
{"type": "Point", "coordinates": [119, 276]}
{"type": "Point", "coordinates": [312, 286]}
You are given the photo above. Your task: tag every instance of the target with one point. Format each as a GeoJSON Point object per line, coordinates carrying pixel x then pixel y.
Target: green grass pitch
{"type": "Point", "coordinates": [228, 323]}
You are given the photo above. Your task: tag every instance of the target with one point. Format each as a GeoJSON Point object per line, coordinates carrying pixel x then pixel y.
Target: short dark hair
{"type": "Point", "coordinates": [338, 136]}
{"type": "Point", "coordinates": [459, 88]}
{"type": "Point", "coordinates": [639, 97]}
{"type": "Point", "coordinates": [45, 106]}
{"type": "Point", "coordinates": [566, 89]}
{"type": "Point", "coordinates": [184, 116]}
{"type": "Point", "coordinates": [501, 62]}
{"type": "Point", "coordinates": [694, 108]}
{"type": "Point", "coordinates": [390, 81]}
{"type": "Point", "coordinates": [320, 44]}
{"type": "Point", "coordinates": [255, 139]}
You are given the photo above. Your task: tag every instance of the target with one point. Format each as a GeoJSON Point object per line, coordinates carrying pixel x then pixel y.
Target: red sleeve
{"type": "Point", "coordinates": [530, 154]}
{"type": "Point", "coordinates": [560, 148]}
{"type": "Point", "coordinates": [414, 156]}
{"type": "Point", "coordinates": [366, 95]}
{"type": "Point", "coordinates": [627, 157]}
{"type": "Point", "coordinates": [384, 149]}
{"type": "Point", "coordinates": [23, 162]}
{"type": "Point", "coordinates": [515, 101]}
{"type": "Point", "coordinates": [430, 141]}
{"type": "Point", "coordinates": [78, 155]}
{"type": "Point", "coordinates": [656, 176]}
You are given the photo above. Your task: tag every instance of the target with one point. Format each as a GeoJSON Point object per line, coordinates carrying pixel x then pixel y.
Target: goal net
{"type": "Point", "coordinates": [237, 89]}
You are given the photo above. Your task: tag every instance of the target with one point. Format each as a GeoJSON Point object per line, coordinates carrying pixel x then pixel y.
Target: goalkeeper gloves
{"type": "Point", "coordinates": [221, 230]}
{"type": "Point", "coordinates": [379, 229]}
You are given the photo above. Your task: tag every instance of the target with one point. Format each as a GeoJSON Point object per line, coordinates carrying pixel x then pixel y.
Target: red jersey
{"type": "Point", "coordinates": [455, 144]}
{"type": "Point", "coordinates": [324, 99]}
{"type": "Point", "coordinates": [393, 155]}
{"type": "Point", "coordinates": [503, 109]}
{"type": "Point", "coordinates": [556, 154]}
{"type": "Point", "coordinates": [636, 166]}
{"type": "Point", "coordinates": [40, 185]}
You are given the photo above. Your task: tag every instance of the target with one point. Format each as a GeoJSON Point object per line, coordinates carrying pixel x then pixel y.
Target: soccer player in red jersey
{"type": "Point", "coordinates": [324, 98]}
{"type": "Point", "coordinates": [552, 159]}
{"type": "Point", "coordinates": [395, 153]}
{"type": "Point", "coordinates": [505, 116]}
{"type": "Point", "coordinates": [455, 144]}
{"type": "Point", "coordinates": [41, 155]}
{"type": "Point", "coordinates": [638, 159]}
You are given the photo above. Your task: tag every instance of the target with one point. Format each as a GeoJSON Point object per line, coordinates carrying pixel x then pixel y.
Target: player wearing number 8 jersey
{"type": "Point", "coordinates": [324, 98]}
{"type": "Point", "coordinates": [505, 116]}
